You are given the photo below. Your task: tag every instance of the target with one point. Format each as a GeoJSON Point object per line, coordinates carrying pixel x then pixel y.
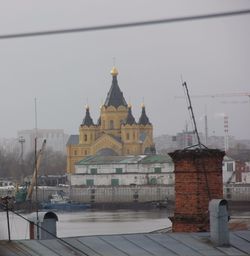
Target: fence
{"type": "Point", "coordinates": [237, 192]}
{"type": "Point", "coordinates": [115, 194]}
{"type": "Point", "coordinates": [234, 192]}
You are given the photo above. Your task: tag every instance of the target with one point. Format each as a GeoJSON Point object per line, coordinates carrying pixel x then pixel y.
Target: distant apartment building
{"type": "Point", "coordinates": [165, 142]}
{"type": "Point", "coordinates": [188, 138]}
{"type": "Point", "coordinates": [56, 139]}
{"type": "Point", "coordinates": [9, 145]}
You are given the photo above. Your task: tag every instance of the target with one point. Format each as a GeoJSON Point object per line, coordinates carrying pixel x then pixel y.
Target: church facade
{"type": "Point", "coordinates": [116, 132]}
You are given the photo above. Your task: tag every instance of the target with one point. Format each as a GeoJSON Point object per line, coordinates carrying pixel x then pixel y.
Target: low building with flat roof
{"type": "Point", "coordinates": [123, 170]}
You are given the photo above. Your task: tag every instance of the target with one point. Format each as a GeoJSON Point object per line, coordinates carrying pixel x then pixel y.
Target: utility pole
{"type": "Point", "coordinates": [206, 128]}
{"type": "Point", "coordinates": [21, 140]}
{"type": "Point", "coordinates": [5, 201]}
{"type": "Point", "coordinates": [226, 138]}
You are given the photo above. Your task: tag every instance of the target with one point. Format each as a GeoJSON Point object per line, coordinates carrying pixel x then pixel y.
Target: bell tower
{"type": "Point", "coordinates": [130, 135]}
{"type": "Point", "coordinates": [115, 108]}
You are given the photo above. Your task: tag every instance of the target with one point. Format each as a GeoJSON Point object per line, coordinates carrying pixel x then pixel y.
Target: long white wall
{"type": "Point", "coordinates": [139, 174]}
{"type": "Point", "coordinates": [127, 168]}
{"type": "Point", "coordinates": [124, 179]}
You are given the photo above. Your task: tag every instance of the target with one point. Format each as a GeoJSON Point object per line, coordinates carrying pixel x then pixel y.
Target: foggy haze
{"type": "Point", "coordinates": [66, 72]}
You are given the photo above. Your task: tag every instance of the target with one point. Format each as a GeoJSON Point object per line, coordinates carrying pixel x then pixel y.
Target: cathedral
{"type": "Point", "coordinates": [116, 132]}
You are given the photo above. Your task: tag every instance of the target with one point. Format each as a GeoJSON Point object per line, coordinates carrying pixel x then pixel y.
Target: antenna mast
{"type": "Point", "coordinates": [190, 108]}
{"type": "Point", "coordinates": [37, 217]}
{"type": "Point", "coordinates": [206, 127]}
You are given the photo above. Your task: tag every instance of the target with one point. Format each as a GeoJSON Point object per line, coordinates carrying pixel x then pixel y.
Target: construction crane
{"type": "Point", "coordinates": [25, 193]}
{"type": "Point", "coordinates": [232, 94]}
{"type": "Point", "coordinates": [218, 95]}
{"type": "Point", "coordinates": [33, 180]}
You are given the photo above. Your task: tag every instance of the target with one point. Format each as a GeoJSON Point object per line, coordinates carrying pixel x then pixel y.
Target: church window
{"type": "Point", "coordinates": [86, 152]}
{"type": "Point", "coordinates": [127, 136]}
{"type": "Point", "coordinates": [111, 124]}
{"type": "Point", "coordinates": [75, 152]}
{"type": "Point", "coordinates": [133, 135]}
{"type": "Point", "coordinates": [85, 137]}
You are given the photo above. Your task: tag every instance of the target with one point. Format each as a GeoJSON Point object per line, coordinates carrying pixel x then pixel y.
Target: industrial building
{"type": "Point", "coordinates": [123, 171]}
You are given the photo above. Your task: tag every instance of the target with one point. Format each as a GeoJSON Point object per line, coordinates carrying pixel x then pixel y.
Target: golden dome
{"type": "Point", "coordinates": [143, 105]}
{"type": "Point", "coordinates": [114, 71]}
{"type": "Point", "coordinates": [87, 106]}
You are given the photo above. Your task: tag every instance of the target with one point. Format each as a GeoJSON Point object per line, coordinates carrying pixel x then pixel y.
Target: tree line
{"type": "Point", "coordinates": [13, 166]}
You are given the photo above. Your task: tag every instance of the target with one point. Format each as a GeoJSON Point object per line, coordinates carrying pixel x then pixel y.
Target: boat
{"type": "Point", "coordinates": [59, 201]}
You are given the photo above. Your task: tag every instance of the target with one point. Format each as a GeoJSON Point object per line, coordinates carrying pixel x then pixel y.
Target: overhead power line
{"type": "Point", "coordinates": [125, 25]}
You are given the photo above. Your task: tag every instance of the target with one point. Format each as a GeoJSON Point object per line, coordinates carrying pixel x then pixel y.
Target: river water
{"type": "Point", "coordinates": [91, 222]}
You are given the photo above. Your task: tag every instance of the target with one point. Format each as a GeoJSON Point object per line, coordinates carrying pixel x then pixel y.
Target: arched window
{"type": "Point", "coordinates": [85, 137]}
{"type": "Point", "coordinates": [111, 124]}
{"type": "Point", "coordinates": [127, 136]}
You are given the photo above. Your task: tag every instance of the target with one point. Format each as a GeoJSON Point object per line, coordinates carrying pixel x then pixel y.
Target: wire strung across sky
{"type": "Point", "coordinates": [125, 25]}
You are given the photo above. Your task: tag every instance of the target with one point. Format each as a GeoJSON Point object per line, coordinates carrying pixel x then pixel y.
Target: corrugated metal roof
{"type": "Point", "coordinates": [73, 140]}
{"type": "Point", "coordinates": [168, 244]}
{"type": "Point", "coordinates": [110, 160]}
{"type": "Point", "coordinates": [150, 159]}
{"type": "Point", "coordinates": [144, 159]}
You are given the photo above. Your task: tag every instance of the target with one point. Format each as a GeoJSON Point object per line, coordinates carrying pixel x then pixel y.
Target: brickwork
{"type": "Point", "coordinates": [198, 179]}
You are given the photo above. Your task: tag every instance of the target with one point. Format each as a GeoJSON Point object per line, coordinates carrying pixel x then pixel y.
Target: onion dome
{"type": "Point", "coordinates": [87, 120]}
{"type": "Point", "coordinates": [143, 118]}
{"type": "Point", "coordinates": [130, 118]}
{"type": "Point", "coordinates": [114, 71]}
{"type": "Point", "coordinates": [115, 96]}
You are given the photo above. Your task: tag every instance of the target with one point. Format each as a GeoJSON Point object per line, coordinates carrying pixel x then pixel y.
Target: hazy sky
{"type": "Point", "coordinates": [64, 72]}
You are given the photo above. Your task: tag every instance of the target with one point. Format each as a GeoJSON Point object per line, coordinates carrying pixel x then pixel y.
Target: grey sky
{"type": "Point", "coordinates": [65, 72]}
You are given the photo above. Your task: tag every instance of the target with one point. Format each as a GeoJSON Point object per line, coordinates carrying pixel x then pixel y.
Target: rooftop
{"type": "Point", "coordinates": [146, 244]}
{"type": "Point", "coordinates": [143, 159]}
{"type": "Point", "coordinates": [73, 140]}
{"type": "Point", "coordinates": [115, 96]}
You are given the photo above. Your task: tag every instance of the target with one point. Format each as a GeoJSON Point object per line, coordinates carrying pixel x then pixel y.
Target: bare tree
{"type": "Point", "coordinates": [53, 162]}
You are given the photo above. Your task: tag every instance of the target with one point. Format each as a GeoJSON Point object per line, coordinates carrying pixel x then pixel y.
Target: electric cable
{"type": "Point", "coordinates": [125, 25]}
{"type": "Point", "coordinates": [60, 239]}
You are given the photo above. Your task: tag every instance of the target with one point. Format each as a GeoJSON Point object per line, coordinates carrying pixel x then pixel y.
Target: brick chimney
{"type": "Point", "coordinates": [198, 179]}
